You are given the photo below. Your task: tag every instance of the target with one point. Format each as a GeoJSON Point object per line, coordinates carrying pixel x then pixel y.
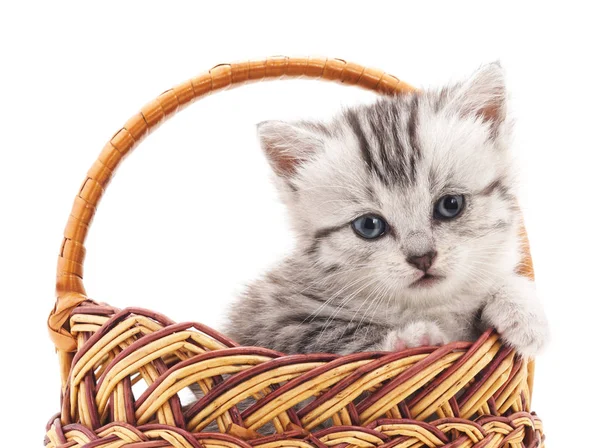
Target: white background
{"type": "Point", "coordinates": [192, 215]}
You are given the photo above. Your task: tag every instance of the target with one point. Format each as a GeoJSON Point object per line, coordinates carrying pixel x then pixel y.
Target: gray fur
{"type": "Point", "coordinates": [339, 293]}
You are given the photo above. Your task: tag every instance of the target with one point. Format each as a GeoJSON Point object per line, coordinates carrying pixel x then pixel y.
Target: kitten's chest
{"type": "Point", "coordinates": [459, 312]}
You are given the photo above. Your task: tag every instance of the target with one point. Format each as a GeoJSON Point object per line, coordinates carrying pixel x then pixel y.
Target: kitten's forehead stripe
{"type": "Point", "coordinates": [379, 130]}
{"type": "Point", "coordinates": [413, 167]}
{"type": "Point", "coordinates": [354, 122]}
{"type": "Point", "coordinates": [416, 154]}
{"type": "Point", "coordinates": [397, 142]}
{"type": "Point", "coordinates": [412, 124]}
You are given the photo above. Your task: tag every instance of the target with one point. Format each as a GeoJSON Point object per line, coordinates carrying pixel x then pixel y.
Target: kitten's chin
{"type": "Point", "coordinates": [427, 281]}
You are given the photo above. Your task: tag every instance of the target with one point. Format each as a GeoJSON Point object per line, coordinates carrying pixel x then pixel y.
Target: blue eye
{"type": "Point", "coordinates": [369, 226]}
{"type": "Point", "coordinates": [449, 206]}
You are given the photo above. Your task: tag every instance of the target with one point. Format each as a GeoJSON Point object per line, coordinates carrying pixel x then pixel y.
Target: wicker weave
{"type": "Point", "coordinates": [459, 395]}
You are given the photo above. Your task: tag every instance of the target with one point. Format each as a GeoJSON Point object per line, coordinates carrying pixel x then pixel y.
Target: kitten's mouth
{"type": "Point", "coordinates": [426, 280]}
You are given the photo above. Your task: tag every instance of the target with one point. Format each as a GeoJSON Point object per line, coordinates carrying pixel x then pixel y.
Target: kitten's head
{"type": "Point", "coordinates": [410, 197]}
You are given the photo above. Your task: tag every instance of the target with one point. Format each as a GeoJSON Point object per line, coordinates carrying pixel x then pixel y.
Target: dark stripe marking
{"type": "Point", "coordinates": [360, 135]}
{"type": "Point", "coordinates": [324, 233]}
{"type": "Point", "coordinates": [412, 125]}
{"type": "Point", "coordinates": [365, 150]}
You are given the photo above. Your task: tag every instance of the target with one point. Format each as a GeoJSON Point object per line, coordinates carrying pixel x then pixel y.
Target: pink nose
{"type": "Point", "coordinates": [422, 262]}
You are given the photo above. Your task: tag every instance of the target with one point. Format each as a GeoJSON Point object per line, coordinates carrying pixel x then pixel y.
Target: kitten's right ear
{"type": "Point", "coordinates": [288, 145]}
{"type": "Point", "coordinates": [483, 96]}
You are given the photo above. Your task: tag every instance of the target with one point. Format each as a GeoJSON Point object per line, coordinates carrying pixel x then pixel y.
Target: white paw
{"type": "Point", "coordinates": [520, 321]}
{"type": "Point", "coordinates": [415, 334]}
{"type": "Point", "coordinates": [525, 331]}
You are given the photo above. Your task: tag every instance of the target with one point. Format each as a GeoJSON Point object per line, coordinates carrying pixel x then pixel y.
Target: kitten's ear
{"type": "Point", "coordinates": [288, 145]}
{"type": "Point", "coordinates": [483, 95]}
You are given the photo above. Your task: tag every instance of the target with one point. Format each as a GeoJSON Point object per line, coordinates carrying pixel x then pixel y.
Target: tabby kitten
{"type": "Point", "coordinates": [407, 228]}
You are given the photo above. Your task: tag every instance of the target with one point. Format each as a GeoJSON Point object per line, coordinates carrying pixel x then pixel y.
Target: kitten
{"type": "Point", "coordinates": [407, 228]}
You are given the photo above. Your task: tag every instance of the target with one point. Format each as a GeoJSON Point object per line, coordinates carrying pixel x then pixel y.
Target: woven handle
{"type": "Point", "coordinates": [69, 282]}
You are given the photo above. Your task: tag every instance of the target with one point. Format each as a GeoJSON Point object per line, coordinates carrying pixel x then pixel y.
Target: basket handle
{"type": "Point", "coordinates": [69, 277]}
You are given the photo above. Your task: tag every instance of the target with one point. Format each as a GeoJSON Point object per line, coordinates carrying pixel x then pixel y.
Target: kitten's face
{"type": "Point", "coordinates": [411, 197]}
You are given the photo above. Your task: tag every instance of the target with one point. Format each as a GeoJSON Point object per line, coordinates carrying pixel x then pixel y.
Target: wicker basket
{"type": "Point", "coordinates": [459, 395]}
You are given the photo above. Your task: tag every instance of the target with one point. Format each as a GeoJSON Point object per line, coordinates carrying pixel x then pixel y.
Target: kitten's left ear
{"type": "Point", "coordinates": [483, 96]}
{"type": "Point", "coordinates": [288, 145]}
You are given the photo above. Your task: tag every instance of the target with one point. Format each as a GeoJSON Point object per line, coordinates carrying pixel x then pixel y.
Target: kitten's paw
{"type": "Point", "coordinates": [521, 323]}
{"type": "Point", "coordinates": [528, 333]}
{"type": "Point", "coordinates": [415, 334]}
{"type": "Point", "coordinates": [528, 340]}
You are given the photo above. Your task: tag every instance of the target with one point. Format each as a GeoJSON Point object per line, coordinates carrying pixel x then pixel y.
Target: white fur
{"type": "Point", "coordinates": [463, 150]}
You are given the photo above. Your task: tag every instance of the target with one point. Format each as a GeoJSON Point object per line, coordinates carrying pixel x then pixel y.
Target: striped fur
{"type": "Point", "coordinates": [396, 158]}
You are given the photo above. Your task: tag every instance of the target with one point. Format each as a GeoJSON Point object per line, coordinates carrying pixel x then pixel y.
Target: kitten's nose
{"type": "Point", "coordinates": [422, 262]}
